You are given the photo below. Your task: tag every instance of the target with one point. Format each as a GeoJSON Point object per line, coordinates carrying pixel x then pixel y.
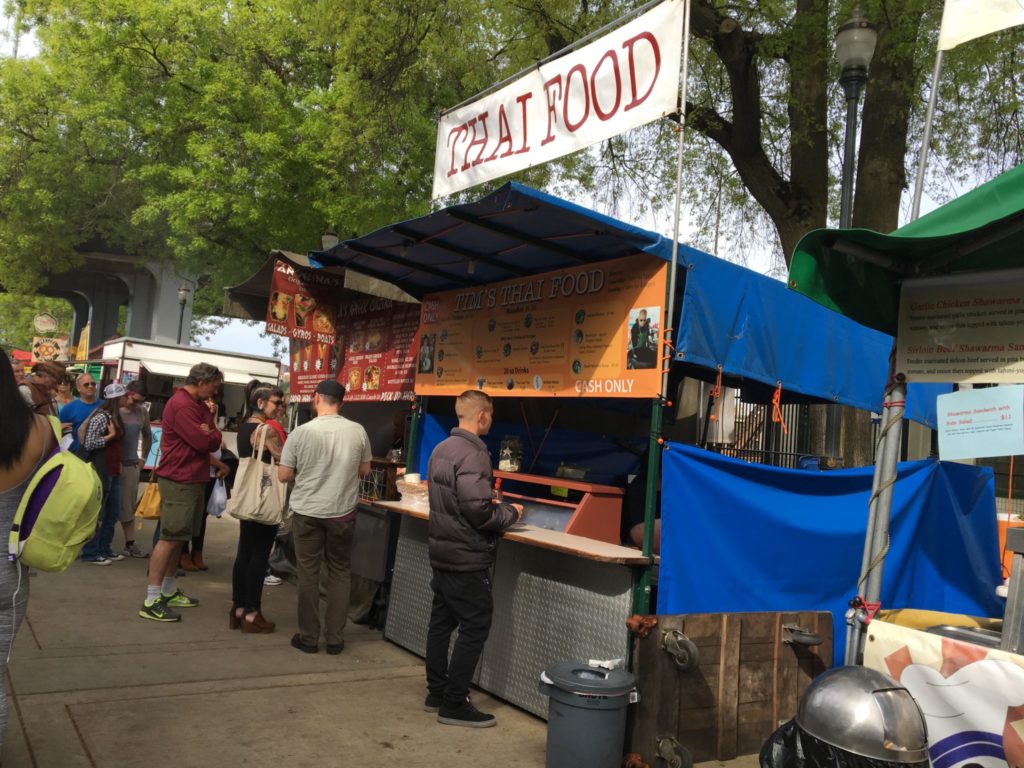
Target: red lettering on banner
{"type": "Point", "coordinates": [618, 86]}
{"type": "Point", "coordinates": [552, 109]}
{"type": "Point", "coordinates": [481, 120]}
{"type": "Point", "coordinates": [504, 135]}
{"type": "Point", "coordinates": [458, 129]}
{"type": "Point", "coordinates": [570, 125]}
{"type": "Point", "coordinates": [521, 101]}
{"type": "Point", "coordinates": [630, 44]}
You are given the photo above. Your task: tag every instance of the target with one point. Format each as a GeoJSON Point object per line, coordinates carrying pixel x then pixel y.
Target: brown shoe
{"type": "Point", "coordinates": [197, 561]}
{"type": "Point", "coordinates": [186, 563]}
{"type": "Point", "coordinates": [259, 625]}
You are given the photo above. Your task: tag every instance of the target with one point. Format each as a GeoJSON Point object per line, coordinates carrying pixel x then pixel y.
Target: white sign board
{"type": "Point", "coordinates": [981, 423]}
{"type": "Point", "coordinates": [963, 328]}
{"type": "Point", "coordinates": [620, 81]}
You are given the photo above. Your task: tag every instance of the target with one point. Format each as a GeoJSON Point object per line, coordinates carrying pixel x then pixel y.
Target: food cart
{"type": "Point", "coordinates": [570, 383]}
{"type": "Point", "coordinates": [950, 286]}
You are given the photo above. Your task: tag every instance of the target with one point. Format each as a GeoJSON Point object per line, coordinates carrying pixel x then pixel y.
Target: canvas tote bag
{"type": "Point", "coordinates": [148, 507]}
{"type": "Point", "coordinates": [258, 494]}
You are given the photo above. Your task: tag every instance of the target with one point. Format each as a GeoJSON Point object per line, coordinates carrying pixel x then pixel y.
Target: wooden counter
{"type": "Point", "coordinates": [590, 549]}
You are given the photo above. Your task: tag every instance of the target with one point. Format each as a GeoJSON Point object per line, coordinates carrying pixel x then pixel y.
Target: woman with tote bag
{"type": "Point", "coordinates": [258, 501]}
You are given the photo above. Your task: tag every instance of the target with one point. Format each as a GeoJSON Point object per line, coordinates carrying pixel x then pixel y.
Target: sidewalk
{"type": "Point", "coordinates": [91, 685]}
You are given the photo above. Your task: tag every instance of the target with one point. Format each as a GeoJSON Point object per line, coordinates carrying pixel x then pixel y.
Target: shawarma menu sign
{"type": "Point", "coordinates": [966, 328]}
{"type": "Point", "coordinates": [622, 80]}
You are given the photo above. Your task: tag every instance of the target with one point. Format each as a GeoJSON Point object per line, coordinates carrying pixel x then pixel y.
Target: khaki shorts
{"type": "Point", "coordinates": [182, 506]}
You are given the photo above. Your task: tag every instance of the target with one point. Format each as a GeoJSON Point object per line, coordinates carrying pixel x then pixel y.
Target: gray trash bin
{"type": "Point", "coordinates": [587, 716]}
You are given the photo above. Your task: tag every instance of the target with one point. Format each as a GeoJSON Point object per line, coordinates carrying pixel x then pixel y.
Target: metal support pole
{"type": "Point", "coordinates": [853, 81]}
{"type": "Point", "coordinates": [922, 162]}
{"type": "Point", "coordinates": [876, 540]}
{"type": "Point", "coordinates": [642, 588]}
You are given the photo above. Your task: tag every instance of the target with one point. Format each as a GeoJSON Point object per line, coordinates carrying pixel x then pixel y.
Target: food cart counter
{"type": "Point", "coordinates": [557, 597]}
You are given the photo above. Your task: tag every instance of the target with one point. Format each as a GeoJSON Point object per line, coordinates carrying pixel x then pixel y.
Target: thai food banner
{"type": "Point", "coordinates": [591, 331]}
{"type": "Point", "coordinates": [303, 304]}
{"type": "Point", "coordinates": [373, 355]}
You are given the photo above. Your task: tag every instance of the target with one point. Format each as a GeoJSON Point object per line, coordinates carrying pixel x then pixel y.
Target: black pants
{"type": "Point", "coordinates": [254, 543]}
{"type": "Point", "coordinates": [461, 600]}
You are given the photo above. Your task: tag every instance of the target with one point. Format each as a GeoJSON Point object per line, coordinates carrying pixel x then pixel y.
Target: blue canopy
{"type": "Point", "coordinates": [749, 324]}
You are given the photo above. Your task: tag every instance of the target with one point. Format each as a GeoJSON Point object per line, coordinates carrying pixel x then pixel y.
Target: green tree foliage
{"type": "Point", "coordinates": [210, 133]}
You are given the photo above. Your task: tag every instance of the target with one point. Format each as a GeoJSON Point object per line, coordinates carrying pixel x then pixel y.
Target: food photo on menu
{"type": "Point", "coordinates": [279, 304]}
{"type": "Point", "coordinates": [426, 357]}
{"type": "Point", "coordinates": [304, 304]}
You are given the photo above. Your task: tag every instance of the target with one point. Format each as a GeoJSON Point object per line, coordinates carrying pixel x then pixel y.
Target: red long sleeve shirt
{"type": "Point", "coordinates": [189, 436]}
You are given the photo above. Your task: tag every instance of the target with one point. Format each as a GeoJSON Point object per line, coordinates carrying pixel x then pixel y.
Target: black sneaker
{"type": "Point", "coordinates": [467, 715]}
{"type": "Point", "coordinates": [433, 702]}
{"type": "Point", "coordinates": [158, 611]}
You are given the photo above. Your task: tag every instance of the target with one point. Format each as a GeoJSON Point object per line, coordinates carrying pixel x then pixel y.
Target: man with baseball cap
{"type": "Point", "coordinates": [325, 458]}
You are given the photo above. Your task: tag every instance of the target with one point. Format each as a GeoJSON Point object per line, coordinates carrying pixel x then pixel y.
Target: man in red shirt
{"type": "Point", "coordinates": [189, 436]}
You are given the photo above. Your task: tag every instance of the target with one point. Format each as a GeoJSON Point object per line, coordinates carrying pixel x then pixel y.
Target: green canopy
{"type": "Point", "coordinates": [857, 272]}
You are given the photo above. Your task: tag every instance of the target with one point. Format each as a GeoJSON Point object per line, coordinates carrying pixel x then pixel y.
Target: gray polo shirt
{"type": "Point", "coordinates": [325, 454]}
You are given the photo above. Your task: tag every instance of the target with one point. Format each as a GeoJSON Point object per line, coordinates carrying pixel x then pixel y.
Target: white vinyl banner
{"type": "Point", "coordinates": [964, 20]}
{"type": "Point", "coordinates": [625, 79]}
{"type": "Point", "coordinates": [972, 697]}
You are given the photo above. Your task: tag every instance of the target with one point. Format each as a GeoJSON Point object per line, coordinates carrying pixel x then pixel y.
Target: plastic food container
{"type": "Point", "coordinates": [413, 494]}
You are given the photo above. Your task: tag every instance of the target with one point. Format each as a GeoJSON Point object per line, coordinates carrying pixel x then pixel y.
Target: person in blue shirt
{"type": "Point", "coordinates": [77, 411]}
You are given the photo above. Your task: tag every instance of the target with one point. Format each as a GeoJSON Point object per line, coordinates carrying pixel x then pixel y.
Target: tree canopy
{"type": "Point", "coordinates": [211, 133]}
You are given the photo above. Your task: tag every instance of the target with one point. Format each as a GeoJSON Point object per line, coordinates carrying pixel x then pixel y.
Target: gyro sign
{"type": "Point", "coordinates": [623, 80]}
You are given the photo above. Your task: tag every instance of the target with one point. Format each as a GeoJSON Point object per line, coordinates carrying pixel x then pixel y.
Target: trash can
{"type": "Point", "coordinates": [587, 716]}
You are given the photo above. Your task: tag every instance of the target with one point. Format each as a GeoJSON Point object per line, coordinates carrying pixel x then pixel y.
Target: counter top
{"type": "Point", "coordinates": [541, 537]}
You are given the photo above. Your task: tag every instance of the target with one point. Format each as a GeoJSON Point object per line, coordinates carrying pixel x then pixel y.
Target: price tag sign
{"type": "Point", "coordinates": [981, 423]}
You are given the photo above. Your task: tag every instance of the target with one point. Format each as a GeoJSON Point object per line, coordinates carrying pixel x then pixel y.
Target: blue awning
{"type": "Point", "coordinates": [759, 332]}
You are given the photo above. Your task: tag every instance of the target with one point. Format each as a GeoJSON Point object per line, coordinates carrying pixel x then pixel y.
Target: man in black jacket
{"type": "Point", "coordinates": [465, 524]}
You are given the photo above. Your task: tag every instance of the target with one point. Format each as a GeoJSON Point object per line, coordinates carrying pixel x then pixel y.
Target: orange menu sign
{"type": "Point", "coordinates": [590, 331]}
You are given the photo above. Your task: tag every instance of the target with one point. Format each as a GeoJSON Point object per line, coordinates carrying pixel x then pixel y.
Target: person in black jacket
{"type": "Point", "coordinates": [463, 531]}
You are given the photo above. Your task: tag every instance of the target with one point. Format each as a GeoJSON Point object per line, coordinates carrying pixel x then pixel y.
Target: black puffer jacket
{"type": "Point", "coordinates": [464, 522]}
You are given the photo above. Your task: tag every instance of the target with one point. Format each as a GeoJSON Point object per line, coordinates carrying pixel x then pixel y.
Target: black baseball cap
{"type": "Point", "coordinates": [331, 388]}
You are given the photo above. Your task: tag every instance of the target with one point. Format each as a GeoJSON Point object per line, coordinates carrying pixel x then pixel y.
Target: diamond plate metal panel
{"type": "Point", "coordinates": [411, 595]}
{"type": "Point", "coordinates": [551, 607]}
{"type": "Point", "coordinates": [548, 607]}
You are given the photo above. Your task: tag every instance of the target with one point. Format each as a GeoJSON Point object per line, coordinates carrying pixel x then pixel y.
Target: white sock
{"type": "Point", "coordinates": [152, 593]}
{"type": "Point", "coordinates": [168, 587]}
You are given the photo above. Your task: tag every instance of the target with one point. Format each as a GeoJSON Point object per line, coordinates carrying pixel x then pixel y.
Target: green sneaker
{"type": "Point", "coordinates": [158, 611]}
{"type": "Point", "coordinates": [180, 600]}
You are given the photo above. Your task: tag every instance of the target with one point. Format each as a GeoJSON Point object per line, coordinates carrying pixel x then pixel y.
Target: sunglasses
{"type": "Point", "coordinates": [88, 385]}
{"type": "Point", "coordinates": [277, 402]}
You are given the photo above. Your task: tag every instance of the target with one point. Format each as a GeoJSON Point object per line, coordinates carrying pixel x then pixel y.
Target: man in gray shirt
{"type": "Point", "coordinates": [325, 458]}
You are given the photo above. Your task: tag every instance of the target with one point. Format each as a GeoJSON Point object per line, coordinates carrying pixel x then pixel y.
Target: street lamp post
{"type": "Point", "coordinates": [855, 45]}
{"type": "Point", "coordinates": [328, 239]}
{"type": "Point", "coordinates": [182, 301]}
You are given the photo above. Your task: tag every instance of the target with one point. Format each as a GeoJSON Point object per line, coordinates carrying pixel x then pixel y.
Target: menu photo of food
{"type": "Point", "coordinates": [354, 380]}
{"type": "Point", "coordinates": [304, 304]}
{"type": "Point", "coordinates": [371, 378]}
{"type": "Point", "coordinates": [323, 320]}
{"type": "Point", "coordinates": [279, 305]}
{"type": "Point", "coordinates": [374, 340]}
{"type": "Point", "coordinates": [355, 341]}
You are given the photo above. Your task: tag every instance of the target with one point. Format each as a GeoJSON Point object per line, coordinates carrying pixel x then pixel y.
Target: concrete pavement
{"type": "Point", "coordinates": [91, 685]}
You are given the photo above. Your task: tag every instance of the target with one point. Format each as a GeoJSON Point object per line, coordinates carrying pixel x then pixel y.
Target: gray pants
{"type": "Point", "coordinates": [320, 540]}
{"type": "Point", "coordinates": [12, 611]}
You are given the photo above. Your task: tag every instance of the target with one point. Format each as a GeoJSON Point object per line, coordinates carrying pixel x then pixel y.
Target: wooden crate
{"type": "Point", "coordinates": [747, 682]}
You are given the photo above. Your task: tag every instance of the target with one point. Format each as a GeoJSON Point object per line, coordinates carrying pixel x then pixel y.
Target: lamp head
{"type": "Point", "coordinates": [183, 295]}
{"type": "Point", "coordinates": [855, 43]}
{"type": "Point", "coordinates": [328, 239]}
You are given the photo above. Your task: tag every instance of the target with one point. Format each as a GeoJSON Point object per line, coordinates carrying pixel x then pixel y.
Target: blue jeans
{"type": "Point", "coordinates": [100, 544]}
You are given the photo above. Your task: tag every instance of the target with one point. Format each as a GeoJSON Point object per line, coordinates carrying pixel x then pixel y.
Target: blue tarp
{"type": "Point", "coordinates": [749, 324]}
{"type": "Point", "coordinates": [603, 456]}
{"type": "Point", "coordinates": [747, 537]}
